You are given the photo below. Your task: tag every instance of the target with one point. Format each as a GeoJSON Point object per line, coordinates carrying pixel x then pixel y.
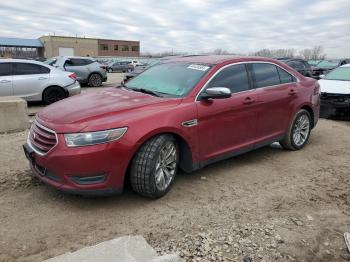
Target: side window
{"type": "Point", "coordinates": [76, 62]}
{"type": "Point", "coordinates": [88, 61]}
{"type": "Point", "coordinates": [285, 77]}
{"type": "Point", "coordinates": [265, 75]}
{"type": "Point", "coordinates": [44, 69]}
{"type": "Point", "coordinates": [27, 69]}
{"type": "Point", "coordinates": [234, 77]}
{"type": "Point", "coordinates": [5, 69]}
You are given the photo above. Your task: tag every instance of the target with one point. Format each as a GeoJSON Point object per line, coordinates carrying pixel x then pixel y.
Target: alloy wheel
{"type": "Point", "coordinates": [166, 166]}
{"type": "Point", "coordinates": [301, 130]}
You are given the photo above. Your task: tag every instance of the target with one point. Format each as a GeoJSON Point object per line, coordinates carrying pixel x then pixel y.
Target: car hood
{"type": "Point", "coordinates": [334, 86]}
{"type": "Point", "coordinates": [100, 110]}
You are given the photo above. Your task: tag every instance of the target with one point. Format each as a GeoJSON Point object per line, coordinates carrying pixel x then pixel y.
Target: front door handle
{"type": "Point", "coordinates": [292, 92]}
{"type": "Point", "coordinates": [5, 81]}
{"type": "Point", "coordinates": [42, 78]}
{"type": "Point", "coordinates": [248, 100]}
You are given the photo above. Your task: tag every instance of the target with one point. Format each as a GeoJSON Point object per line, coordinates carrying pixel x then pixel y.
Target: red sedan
{"type": "Point", "coordinates": [184, 114]}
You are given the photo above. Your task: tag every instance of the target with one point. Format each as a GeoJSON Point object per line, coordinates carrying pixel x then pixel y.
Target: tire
{"type": "Point", "coordinates": [95, 80]}
{"type": "Point", "coordinates": [299, 131]}
{"type": "Point", "coordinates": [53, 94]}
{"type": "Point", "coordinates": [147, 175]}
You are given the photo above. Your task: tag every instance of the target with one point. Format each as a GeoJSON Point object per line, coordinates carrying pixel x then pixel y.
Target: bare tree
{"type": "Point", "coordinates": [316, 53]}
{"type": "Point", "coordinates": [275, 53]}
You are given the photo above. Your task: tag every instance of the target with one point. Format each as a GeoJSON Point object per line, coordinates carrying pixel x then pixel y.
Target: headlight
{"type": "Point", "coordinates": [93, 138]}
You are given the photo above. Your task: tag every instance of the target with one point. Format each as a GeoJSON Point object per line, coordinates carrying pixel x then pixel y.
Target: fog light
{"type": "Point", "coordinates": [89, 180]}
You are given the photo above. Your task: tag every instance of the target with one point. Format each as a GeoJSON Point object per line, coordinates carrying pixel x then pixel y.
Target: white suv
{"type": "Point", "coordinates": [35, 81]}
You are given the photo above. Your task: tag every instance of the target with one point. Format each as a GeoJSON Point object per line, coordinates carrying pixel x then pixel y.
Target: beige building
{"type": "Point", "coordinates": [77, 46]}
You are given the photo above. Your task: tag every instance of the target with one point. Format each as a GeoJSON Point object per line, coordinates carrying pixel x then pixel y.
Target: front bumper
{"type": "Point", "coordinates": [69, 169]}
{"type": "Point", "coordinates": [335, 100]}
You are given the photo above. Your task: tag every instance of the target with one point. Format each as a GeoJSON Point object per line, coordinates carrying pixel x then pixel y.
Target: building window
{"type": "Point", "coordinates": [103, 47]}
{"type": "Point", "coordinates": [115, 47]}
{"type": "Point", "coordinates": [125, 48]}
{"type": "Point", "coordinates": [135, 48]}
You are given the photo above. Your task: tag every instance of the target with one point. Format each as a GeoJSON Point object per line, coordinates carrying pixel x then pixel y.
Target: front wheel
{"type": "Point", "coordinates": [154, 167]}
{"type": "Point", "coordinates": [299, 131]}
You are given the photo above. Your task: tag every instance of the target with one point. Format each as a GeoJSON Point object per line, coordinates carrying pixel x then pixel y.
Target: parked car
{"type": "Point", "coordinates": [182, 114]}
{"type": "Point", "coordinates": [326, 66]}
{"type": "Point", "coordinates": [314, 62]}
{"type": "Point", "coordinates": [35, 81]}
{"type": "Point", "coordinates": [137, 70]}
{"type": "Point", "coordinates": [88, 71]}
{"type": "Point", "coordinates": [299, 65]}
{"type": "Point", "coordinates": [120, 66]}
{"type": "Point", "coordinates": [335, 92]}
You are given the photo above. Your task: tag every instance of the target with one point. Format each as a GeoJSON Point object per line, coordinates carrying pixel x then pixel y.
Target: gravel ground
{"type": "Point", "coordinates": [266, 205]}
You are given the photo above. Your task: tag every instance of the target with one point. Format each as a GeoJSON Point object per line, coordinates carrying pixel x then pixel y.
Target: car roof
{"type": "Point", "coordinates": [8, 60]}
{"type": "Point", "coordinates": [79, 57]}
{"type": "Point", "coordinates": [346, 65]}
{"type": "Point", "coordinates": [217, 59]}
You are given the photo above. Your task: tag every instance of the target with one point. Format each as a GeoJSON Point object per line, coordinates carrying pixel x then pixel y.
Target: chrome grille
{"type": "Point", "coordinates": [41, 138]}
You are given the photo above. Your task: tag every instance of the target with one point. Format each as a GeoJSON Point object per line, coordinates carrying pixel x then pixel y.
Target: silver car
{"type": "Point", "coordinates": [87, 69]}
{"type": "Point", "coordinates": [35, 81]}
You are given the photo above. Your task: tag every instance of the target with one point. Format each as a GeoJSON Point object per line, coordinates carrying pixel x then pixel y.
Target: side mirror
{"type": "Point", "coordinates": [216, 93]}
{"type": "Point", "coordinates": [321, 76]}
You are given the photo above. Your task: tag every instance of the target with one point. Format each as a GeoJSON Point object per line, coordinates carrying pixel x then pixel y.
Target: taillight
{"type": "Point", "coordinates": [73, 76]}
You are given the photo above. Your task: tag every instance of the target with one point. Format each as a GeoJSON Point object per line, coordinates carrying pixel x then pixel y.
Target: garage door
{"type": "Point", "coordinates": [66, 51]}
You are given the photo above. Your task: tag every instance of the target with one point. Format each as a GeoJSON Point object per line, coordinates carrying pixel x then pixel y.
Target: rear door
{"type": "Point", "coordinates": [276, 90]}
{"type": "Point", "coordinates": [6, 77]}
{"type": "Point", "coordinates": [227, 125]}
{"type": "Point", "coordinates": [29, 80]}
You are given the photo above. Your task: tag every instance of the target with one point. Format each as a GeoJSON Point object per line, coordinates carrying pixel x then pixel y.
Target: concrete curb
{"type": "Point", "coordinates": [123, 249]}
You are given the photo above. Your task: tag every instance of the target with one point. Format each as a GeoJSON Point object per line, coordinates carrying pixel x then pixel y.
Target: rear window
{"type": "Point", "coordinates": [30, 69]}
{"type": "Point", "coordinates": [265, 75]}
{"type": "Point", "coordinates": [5, 69]}
{"type": "Point", "coordinates": [76, 62]}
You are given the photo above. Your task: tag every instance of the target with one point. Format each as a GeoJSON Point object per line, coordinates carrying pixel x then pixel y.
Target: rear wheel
{"type": "Point", "coordinates": [155, 166]}
{"type": "Point", "coordinates": [53, 94]}
{"type": "Point", "coordinates": [299, 131]}
{"type": "Point", "coordinates": [95, 80]}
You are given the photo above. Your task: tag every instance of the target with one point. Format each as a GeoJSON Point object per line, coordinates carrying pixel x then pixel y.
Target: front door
{"type": "Point", "coordinates": [227, 125]}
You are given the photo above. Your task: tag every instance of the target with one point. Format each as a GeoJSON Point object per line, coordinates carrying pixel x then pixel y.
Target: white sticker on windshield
{"type": "Point", "coordinates": [198, 67]}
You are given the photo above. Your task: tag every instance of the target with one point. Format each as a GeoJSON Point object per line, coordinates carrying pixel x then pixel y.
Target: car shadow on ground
{"type": "Point", "coordinates": [133, 200]}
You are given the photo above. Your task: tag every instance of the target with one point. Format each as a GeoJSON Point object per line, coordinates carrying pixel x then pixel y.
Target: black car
{"type": "Point", "coordinates": [299, 65]}
{"type": "Point", "coordinates": [326, 66]}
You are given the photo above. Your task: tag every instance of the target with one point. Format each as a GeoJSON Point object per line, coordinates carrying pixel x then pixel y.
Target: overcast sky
{"type": "Point", "coordinates": [188, 25]}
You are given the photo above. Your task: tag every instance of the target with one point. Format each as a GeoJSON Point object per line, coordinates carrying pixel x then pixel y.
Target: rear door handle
{"type": "Point", "coordinates": [5, 81]}
{"type": "Point", "coordinates": [42, 78]}
{"type": "Point", "coordinates": [292, 92]}
{"type": "Point", "coordinates": [248, 100]}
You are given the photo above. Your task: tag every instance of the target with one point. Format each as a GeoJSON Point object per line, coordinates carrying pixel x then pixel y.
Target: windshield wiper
{"type": "Point", "coordinates": [143, 90]}
{"type": "Point", "coordinates": [146, 91]}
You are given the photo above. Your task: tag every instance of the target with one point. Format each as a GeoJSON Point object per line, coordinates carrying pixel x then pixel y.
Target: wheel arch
{"type": "Point", "coordinates": [311, 112]}
{"type": "Point", "coordinates": [46, 88]}
{"type": "Point", "coordinates": [186, 162]}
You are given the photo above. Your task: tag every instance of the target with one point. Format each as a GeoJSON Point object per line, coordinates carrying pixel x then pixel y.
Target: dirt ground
{"type": "Point", "coordinates": [270, 205]}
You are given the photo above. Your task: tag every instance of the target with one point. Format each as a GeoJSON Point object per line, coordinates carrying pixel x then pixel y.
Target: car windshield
{"type": "Point", "coordinates": [328, 63]}
{"type": "Point", "coordinates": [172, 79]}
{"type": "Point", "coordinates": [340, 73]}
